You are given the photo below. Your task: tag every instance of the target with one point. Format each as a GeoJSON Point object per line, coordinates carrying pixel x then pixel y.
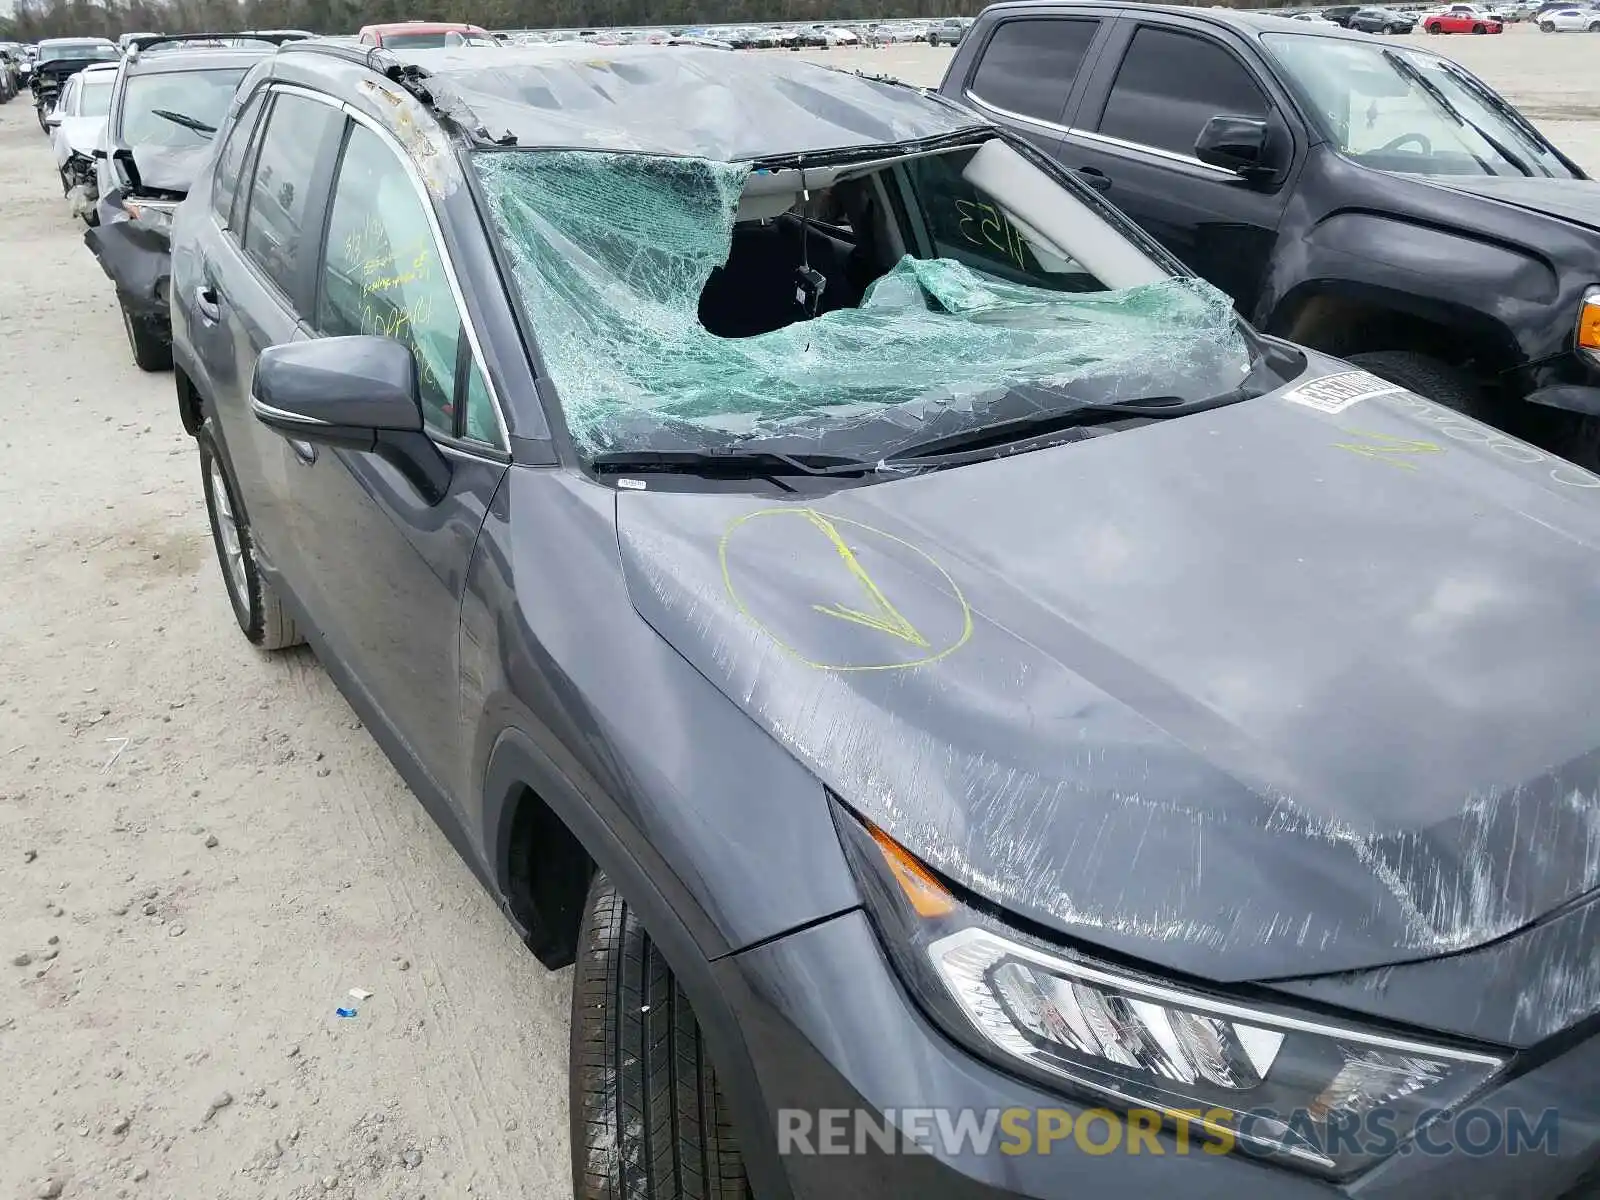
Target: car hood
{"type": "Point", "coordinates": [168, 168]}
{"type": "Point", "coordinates": [82, 134]}
{"type": "Point", "coordinates": [1575, 200]}
{"type": "Point", "coordinates": [1260, 692]}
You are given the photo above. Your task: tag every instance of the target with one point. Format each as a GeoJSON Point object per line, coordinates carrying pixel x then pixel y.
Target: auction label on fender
{"type": "Point", "coordinates": [1335, 393]}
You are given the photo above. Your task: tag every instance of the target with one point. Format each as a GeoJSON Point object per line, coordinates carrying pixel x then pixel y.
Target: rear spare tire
{"type": "Point", "coordinates": [648, 1122]}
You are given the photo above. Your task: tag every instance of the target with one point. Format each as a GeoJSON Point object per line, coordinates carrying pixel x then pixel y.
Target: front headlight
{"type": "Point", "coordinates": [1325, 1095]}
{"type": "Point", "coordinates": [1589, 324]}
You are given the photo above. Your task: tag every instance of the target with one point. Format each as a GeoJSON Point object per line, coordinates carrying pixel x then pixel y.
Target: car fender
{"type": "Point", "coordinates": [1487, 289]}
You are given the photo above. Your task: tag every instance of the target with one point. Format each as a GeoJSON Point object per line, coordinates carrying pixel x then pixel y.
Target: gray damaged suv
{"type": "Point", "coordinates": [981, 720]}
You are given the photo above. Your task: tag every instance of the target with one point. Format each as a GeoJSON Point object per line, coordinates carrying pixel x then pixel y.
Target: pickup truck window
{"type": "Point", "coordinates": [1170, 84]}
{"type": "Point", "coordinates": [1411, 112]}
{"type": "Point", "coordinates": [1029, 66]}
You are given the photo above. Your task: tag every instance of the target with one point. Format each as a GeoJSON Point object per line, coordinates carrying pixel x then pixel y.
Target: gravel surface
{"type": "Point", "coordinates": [202, 850]}
{"type": "Point", "coordinates": [167, 1000]}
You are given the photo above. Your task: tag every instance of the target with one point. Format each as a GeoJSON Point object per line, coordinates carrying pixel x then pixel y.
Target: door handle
{"type": "Point", "coordinates": [1094, 177]}
{"type": "Point", "coordinates": [209, 304]}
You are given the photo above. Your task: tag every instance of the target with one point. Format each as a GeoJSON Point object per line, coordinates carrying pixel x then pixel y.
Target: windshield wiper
{"type": "Point", "coordinates": [186, 121]}
{"type": "Point", "coordinates": [728, 463]}
{"type": "Point", "coordinates": [988, 441]}
{"type": "Point", "coordinates": [1410, 72]}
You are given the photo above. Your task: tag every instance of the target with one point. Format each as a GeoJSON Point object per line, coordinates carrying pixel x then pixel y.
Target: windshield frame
{"type": "Point", "coordinates": [119, 117]}
{"type": "Point", "coordinates": [1507, 122]}
{"type": "Point", "coordinates": [80, 48]}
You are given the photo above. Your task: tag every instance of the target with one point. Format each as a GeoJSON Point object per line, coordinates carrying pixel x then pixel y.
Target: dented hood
{"type": "Point", "coordinates": [1258, 692]}
{"type": "Point", "coordinates": [168, 168]}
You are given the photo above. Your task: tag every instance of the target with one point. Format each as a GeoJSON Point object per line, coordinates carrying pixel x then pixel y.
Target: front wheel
{"type": "Point", "coordinates": [1429, 378]}
{"type": "Point", "coordinates": [151, 351]}
{"type": "Point", "coordinates": [648, 1120]}
{"type": "Point", "coordinates": [1479, 29]}
{"type": "Point", "coordinates": [1435, 29]}
{"type": "Point", "coordinates": [1546, 27]}
{"type": "Point", "coordinates": [262, 618]}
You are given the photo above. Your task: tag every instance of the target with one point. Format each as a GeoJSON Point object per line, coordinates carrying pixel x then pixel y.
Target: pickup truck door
{"type": "Point", "coordinates": [1156, 83]}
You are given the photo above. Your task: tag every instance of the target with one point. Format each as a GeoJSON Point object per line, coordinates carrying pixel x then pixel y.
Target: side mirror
{"type": "Point", "coordinates": [1237, 144]}
{"type": "Point", "coordinates": [355, 393]}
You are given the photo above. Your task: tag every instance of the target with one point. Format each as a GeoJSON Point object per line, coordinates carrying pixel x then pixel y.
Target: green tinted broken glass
{"type": "Point", "coordinates": [610, 253]}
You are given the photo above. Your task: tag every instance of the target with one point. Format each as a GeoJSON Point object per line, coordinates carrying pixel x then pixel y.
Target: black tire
{"type": "Point", "coordinates": [1479, 29]}
{"type": "Point", "coordinates": [1595, 27]}
{"type": "Point", "coordinates": [151, 351]}
{"type": "Point", "coordinates": [1434, 28]}
{"type": "Point", "coordinates": [648, 1122]}
{"type": "Point", "coordinates": [262, 618]}
{"type": "Point", "coordinates": [1546, 27]}
{"type": "Point", "coordinates": [1429, 378]}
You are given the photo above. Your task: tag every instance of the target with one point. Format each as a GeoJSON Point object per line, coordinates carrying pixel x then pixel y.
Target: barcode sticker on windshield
{"type": "Point", "coordinates": [1335, 393]}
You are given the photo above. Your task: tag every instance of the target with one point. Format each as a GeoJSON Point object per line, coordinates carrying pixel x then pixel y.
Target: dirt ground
{"type": "Point", "coordinates": [147, 974]}
{"type": "Point", "coordinates": [201, 851]}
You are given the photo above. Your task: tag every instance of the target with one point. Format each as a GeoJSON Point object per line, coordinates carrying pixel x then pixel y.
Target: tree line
{"type": "Point", "coordinates": [35, 19]}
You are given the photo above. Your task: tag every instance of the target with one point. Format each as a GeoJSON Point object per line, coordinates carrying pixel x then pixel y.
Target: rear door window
{"type": "Point", "coordinates": [1029, 66]}
{"type": "Point", "coordinates": [277, 237]}
{"type": "Point", "coordinates": [1170, 84]}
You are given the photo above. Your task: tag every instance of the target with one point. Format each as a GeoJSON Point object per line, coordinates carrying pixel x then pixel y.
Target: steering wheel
{"type": "Point", "coordinates": [1394, 144]}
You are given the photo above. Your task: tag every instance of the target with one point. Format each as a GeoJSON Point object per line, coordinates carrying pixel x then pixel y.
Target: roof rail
{"type": "Point", "coordinates": [433, 93]}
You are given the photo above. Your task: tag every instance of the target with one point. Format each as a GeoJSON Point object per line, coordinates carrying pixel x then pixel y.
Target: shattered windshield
{"type": "Point", "coordinates": [682, 303]}
{"type": "Point", "coordinates": [1411, 112]}
{"type": "Point", "coordinates": [201, 96]}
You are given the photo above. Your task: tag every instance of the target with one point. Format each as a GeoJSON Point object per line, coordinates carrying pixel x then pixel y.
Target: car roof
{"type": "Point", "coordinates": [1245, 21]}
{"type": "Point", "coordinates": [77, 41]}
{"type": "Point", "coordinates": [669, 100]}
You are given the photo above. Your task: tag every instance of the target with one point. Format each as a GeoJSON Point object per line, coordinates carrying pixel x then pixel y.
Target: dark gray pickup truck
{"type": "Point", "coordinates": [1357, 195]}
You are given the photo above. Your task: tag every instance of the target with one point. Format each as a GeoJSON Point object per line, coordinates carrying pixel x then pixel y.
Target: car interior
{"type": "Point", "coordinates": [802, 248]}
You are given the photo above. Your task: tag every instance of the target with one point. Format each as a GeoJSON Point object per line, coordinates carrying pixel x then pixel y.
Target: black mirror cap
{"type": "Point", "coordinates": [338, 389]}
{"type": "Point", "coordinates": [1238, 144]}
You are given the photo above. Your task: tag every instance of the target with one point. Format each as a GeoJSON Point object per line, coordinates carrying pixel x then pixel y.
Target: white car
{"type": "Point", "coordinates": [1570, 20]}
{"type": "Point", "coordinates": [77, 127]}
{"type": "Point", "coordinates": [840, 37]}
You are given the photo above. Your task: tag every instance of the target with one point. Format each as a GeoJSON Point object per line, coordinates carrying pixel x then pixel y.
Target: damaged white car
{"type": "Point", "coordinates": [77, 129]}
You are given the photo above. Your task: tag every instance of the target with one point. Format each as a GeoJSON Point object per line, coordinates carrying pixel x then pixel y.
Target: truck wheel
{"type": "Point", "coordinates": [151, 352]}
{"type": "Point", "coordinates": [648, 1122]}
{"type": "Point", "coordinates": [1429, 378]}
{"type": "Point", "coordinates": [261, 615]}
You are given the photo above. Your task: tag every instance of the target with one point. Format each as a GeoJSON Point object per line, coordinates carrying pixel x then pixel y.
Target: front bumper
{"type": "Point", "coordinates": [836, 1042]}
{"type": "Point", "coordinates": [138, 260]}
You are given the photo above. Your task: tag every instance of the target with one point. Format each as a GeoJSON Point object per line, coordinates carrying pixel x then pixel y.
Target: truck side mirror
{"type": "Point", "coordinates": [1237, 144]}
